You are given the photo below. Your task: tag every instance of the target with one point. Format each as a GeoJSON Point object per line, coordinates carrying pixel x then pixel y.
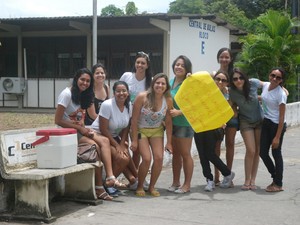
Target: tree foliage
{"type": "Point", "coordinates": [254, 8]}
{"type": "Point", "coordinates": [272, 46]}
{"type": "Point", "coordinates": [230, 12]}
{"type": "Point", "coordinates": [111, 10]}
{"type": "Point", "coordinates": [131, 9]}
{"type": "Point", "coordinates": [238, 12]}
{"type": "Point", "coordinates": [187, 6]}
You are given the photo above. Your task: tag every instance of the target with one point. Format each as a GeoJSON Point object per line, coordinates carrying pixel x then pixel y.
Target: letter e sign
{"type": "Point", "coordinates": [202, 47]}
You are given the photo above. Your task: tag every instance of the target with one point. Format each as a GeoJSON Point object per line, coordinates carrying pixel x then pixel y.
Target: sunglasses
{"type": "Point", "coordinates": [238, 78]}
{"type": "Point", "coordinates": [218, 79]}
{"type": "Point", "coordinates": [276, 77]}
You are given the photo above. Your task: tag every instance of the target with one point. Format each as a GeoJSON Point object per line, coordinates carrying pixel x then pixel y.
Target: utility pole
{"type": "Point", "coordinates": [95, 27]}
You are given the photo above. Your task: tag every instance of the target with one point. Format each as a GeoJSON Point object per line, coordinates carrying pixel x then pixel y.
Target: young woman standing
{"type": "Point", "coordinates": [243, 93]}
{"type": "Point", "coordinates": [151, 111]}
{"type": "Point", "coordinates": [206, 143]}
{"type": "Point", "coordinates": [225, 60]}
{"type": "Point", "coordinates": [273, 127]}
{"type": "Point", "coordinates": [138, 80]}
{"type": "Point", "coordinates": [182, 133]}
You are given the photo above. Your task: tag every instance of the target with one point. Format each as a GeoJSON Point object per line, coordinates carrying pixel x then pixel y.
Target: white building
{"type": "Point", "coordinates": [47, 51]}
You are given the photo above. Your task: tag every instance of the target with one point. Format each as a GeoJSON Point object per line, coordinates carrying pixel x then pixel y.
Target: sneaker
{"type": "Point", "coordinates": [133, 186]}
{"type": "Point", "coordinates": [226, 183]}
{"type": "Point", "coordinates": [210, 186]}
{"type": "Point", "coordinates": [112, 191]}
{"type": "Point", "coordinates": [146, 185]}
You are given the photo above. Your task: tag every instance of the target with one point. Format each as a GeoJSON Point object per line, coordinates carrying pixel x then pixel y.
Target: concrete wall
{"type": "Point", "coordinates": [292, 116]}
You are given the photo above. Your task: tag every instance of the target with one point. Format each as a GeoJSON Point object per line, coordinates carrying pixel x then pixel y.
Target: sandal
{"type": "Point", "coordinates": [140, 193]}
{"type": "Point", "coordinates": [112, 181]}
{"type": "Point", "coordinates": [181, 191]}
{"type": "Point", "coordinates": [104, 195]}
{"type": "Point", "coordinates": [173, 188]}
{"type": "Point", "coordinates": [246, 187]}
{"type": "Point", "coordinates": [154, 193]}
{"type": "Point", "coordinates": [253, 187]}
{"type": "Point", "coordinates": [270, 185]}
{"type": "Point", "coordinates": [274, 188]}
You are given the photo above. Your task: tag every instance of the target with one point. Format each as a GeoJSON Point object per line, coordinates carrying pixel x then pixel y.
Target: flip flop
{"type": "Point", "coordinates": [274, 188]}
{"type": "Point", "coordinates": [181, 191]}
{"type": "Point", "coordinates": [246, 187]}
{"type": "Point", "coordinates": [140, 193]}
{"type": "Point", "coordinates": [154, 193]}
{"type": "Point", "coordinates": [173, 188]}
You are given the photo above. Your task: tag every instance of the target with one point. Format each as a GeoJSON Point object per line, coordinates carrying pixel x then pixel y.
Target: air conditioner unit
{"type": "Point", "coordinates": [12, 85]}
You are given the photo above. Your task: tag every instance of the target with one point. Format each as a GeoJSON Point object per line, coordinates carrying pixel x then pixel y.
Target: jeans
{"type": "Point", "coordinates": [268, 132]}
{"type": "Point", "coordinates": [206, 146]}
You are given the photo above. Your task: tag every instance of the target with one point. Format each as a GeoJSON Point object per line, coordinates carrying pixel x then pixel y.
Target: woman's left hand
{"type": "Point", "coordinates": [275, 143]}
{"type": "Point", "coordinates": [169, 148]}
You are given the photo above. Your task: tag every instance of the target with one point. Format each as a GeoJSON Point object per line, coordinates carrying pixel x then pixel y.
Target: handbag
{"type": "Point", "coordinates": [87, 153]}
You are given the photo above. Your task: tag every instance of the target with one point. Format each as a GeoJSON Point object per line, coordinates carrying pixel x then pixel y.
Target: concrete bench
{"type": "Point", "coordinates": [18, 164]}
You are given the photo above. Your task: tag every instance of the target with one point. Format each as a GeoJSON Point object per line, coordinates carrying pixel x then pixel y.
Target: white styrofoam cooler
{"type": "Point", "coordinates": [57, 148]}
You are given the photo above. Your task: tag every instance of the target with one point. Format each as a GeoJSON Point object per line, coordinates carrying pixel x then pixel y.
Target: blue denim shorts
{"type": "Point", "coordinates": [182, 132]}
{"type": "Point", "coordinates": [233, 122]}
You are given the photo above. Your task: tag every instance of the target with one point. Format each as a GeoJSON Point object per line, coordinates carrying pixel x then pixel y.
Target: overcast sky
{"type": "Point", "coordinates": [49, 8]}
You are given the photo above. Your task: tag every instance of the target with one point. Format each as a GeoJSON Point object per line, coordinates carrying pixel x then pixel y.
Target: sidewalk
{"type": "Point", "coordinates": [221, 207]}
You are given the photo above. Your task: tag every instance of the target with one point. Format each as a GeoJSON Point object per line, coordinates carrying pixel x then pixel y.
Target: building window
{"type": "Point", "coordinates": [55, 57]}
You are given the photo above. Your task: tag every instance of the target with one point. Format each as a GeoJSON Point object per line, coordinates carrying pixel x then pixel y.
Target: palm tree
{"type": "Point", "coordinates": [273, 45]}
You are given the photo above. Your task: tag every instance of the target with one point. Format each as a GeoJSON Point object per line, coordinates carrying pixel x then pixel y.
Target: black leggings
{"type": "Point", "coordinates": [206, 146]}
{"type": "Point", "coordinates": [268, 132]}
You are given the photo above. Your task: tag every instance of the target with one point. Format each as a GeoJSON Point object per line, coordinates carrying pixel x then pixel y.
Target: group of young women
{"type": "Point", "coordinates": [143, 109]}
{"type": "Point", "coordinates": [254, 117]}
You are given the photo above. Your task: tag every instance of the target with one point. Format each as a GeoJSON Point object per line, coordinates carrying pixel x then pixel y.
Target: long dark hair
{"type": "Point", "coordinates": [148, 72]}
{"type": "Point", "coordinates": [230, 66]}
{"type": "Point", "coordinates": [187, 63]}
{"type": "Point", "coordinates": [246, 86]}
{"type": "Point", "coordinates": [120, 82]}
{"type": "Point", "coordinates": [84, 98]}
{"type": "Point", "coordinates": [150, 92]}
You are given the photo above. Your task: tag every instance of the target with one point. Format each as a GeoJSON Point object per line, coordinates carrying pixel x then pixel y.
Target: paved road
{"type": "Point", "coordinates": [221, 207]}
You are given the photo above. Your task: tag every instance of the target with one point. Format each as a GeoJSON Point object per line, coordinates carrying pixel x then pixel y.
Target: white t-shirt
{"type": "Point", "coordinates": [271, 101]}
{"type": "Point", "coordinates": [135, 86]}
{"type": "Point", "coordinates": [117, 120]}
{"type": "Point", "coordinates": [73, 112]}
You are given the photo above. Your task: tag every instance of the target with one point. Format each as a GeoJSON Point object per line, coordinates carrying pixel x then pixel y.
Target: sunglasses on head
{"type": "Point", "coordinates": [238, 78]}
{"type": "Point", "coordinates": [272, 75]}
{"type": "Point", "coordinates": [218, 79]}
{"type": "Point", "coordinates": [143, 54]}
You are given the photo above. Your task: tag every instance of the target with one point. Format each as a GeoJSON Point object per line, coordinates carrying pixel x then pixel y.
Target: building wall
{"type": "Point", "coordinates": [196, 38]}
{"type": "Point", "coordinates": [199, 40]}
